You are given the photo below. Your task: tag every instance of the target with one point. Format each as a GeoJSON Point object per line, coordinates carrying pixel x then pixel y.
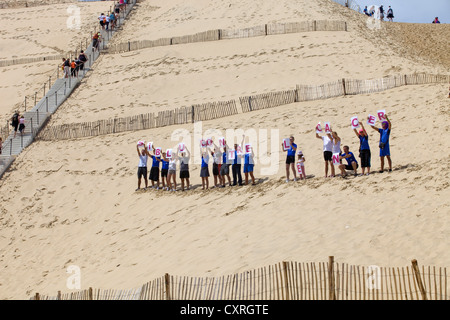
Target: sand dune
{"type": "Point", "coordinates": [73, 202]}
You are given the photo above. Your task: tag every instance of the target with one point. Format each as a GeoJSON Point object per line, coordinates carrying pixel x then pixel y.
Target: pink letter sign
{"type": "Point", "coordinates": [140, 143]}
{"type": "Point", "coordinates": [355, 122]}
{"type": "Point", "coordinates": [248, 148]}
{"type": "Point", "coordinates": [231, 155]}
{"type": "Point", "coordinates": [169, 153]}
{"type": "Point", "coordinates": [239, 149]}
{"type": "Point", "coordinates": [381, 115]}
{"type": "Point", "coordinates": [327, 127]}
{"type": "Point", "coordinates": [286, 144]}
{"type": "Point", "coordinates": [299, 168]}
{"type": "Point", "coordinates": [149, 146]}
{"type": "Point", "coordinates": [202, 143]}
{"type": "Point", "coordinates": [371, 120]}
{"type": "Point", "coordinates": [318, 128]}
{"type": "Point", "coordinates": [158, 152]}
{"type": "Point", "coordinates": [209, 142]}
{"type": "Point", "coordinates": [336, 158]}
{"type": "Point", "coordinates": [222, 142]}
{"type": "Point", "coordinates": [181, 147]}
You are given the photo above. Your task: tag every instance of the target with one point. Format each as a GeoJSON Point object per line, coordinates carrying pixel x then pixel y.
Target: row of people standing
{"type": "Point", "coordinates": [220, 167]}
{"type": "Point", "coordinates": [371, 13]}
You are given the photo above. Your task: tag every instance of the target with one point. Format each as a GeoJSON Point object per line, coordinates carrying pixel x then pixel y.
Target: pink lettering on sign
{"type": "Point", "coordinates": [181, 147]}
{"type": "Point", "coordinates": [169, 153]}
{"type": "Point", "coordinates": [248, 148]}
{"type": "Point", "coordinates": [318, 128]}
{"type": "Point", "coordinates": [381, 115]}
{"type": "Point", "coordinates": [158, 152]}
{"type": "Point", "coordinates": [209, 142]}
{"type": "Point", "coordinates": [327, 127]}
{"type": "Point", "coordinates": [222, 142]}
{"type": "Point", "coordinates": [203, 143]}
{"type": "Point", "coordinates": [286, 144]}
{"type": "Point", "coordinates": [371, 120]}
{"type": "Point", "coordinates": [149, 146]}
{"type": "Point", "coordinates": [336, 158]}
{"type": "Point", "coordinates": [355, 122]}
{"type": "Point", "coordinates": [299, 168]}
{"type": "Point", "coordinates": [239, 149]}
{"type": "Point", "coordinates": [140, 143]}
{"type": "Point", "coordinates": [231, 155]}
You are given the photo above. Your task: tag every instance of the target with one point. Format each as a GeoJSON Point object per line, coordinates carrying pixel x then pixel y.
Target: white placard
{"type": "Point", "coordinates": [203, 143]}
{"type": "Point", "coordinates": [327, 127]}
{"type": "Point", "coordinates": [231, 155]}
{"type": "Point", "coordinates": [371, 120]}
{"type": "Point", "coordinates": [140, 143]}
{"type": "Point", "coordinates": [209, 142]}
{"type": "Point", "coordinates": [169, 153]}
{"type": "Point", "coordinates": [336, 158]}
{"type": "Point", "coordinates": [286, 144]}
{"type": "Point", "coordinates": [381, 115]}
{"type": "Point", "coordinates": [239, 150]}
{"type": "Point", "coordinates": [158, 152]}
{"type": "Point", "coordinates": [318, 128]}
{"type": "Point", "coordinates": [149, 146]}
{"type": "Point", "coordinates": [222, 142]}
{"type": "Point", "coordinates": [181, 147]}
{"type": "Point", "coordinates": [248, 148]}
{"type": "Point", "coordinates": [299, 168]}
{"type": "Point", "coordinates": [355, 122]}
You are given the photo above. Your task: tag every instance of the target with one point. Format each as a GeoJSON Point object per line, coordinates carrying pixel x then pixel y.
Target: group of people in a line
{"type": "Point", "coordinates": [380, 12]}
{"type": "Point", "coordinates": [109, 21]}
{"type": "Point", "coordinates": [332, 146]}
{"type": "Point", "coordinates": [221, 162]}
{"type": "Point", "coordinates": [72, 68]}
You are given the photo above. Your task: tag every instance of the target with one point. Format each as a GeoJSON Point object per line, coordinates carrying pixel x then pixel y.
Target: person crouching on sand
{"type": "Point", "coordinates": [351, 160]}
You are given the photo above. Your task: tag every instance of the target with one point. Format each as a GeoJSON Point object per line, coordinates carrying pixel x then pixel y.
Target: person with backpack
{"type": "Point", "coordinates": [83, 59]}
{"type": "Point", "coordinates": [102, 20]}
{"type": "Point", "coordinates": [15, 122]}
{"type": "Point", "coordinates": [381, 10]}
{"type": "Point", "coordinates": [390, 14]}
{"type": "Point", "coordinates": [112, 20]}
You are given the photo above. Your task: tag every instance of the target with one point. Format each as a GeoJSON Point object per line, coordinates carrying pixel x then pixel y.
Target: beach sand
{"type": "Point", "coordinates": [73, 202]}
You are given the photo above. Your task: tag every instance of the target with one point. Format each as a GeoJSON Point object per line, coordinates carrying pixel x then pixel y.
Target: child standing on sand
{"type": "Point", "coordinates": [301, 165]}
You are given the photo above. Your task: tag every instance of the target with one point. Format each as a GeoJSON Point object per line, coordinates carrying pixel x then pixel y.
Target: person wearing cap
{"type": "Point", "coordinates": [364, 149]}
{"type": "Point", "coordinates": [301, 162]}
{"type": "Point", "coordinates": [290, 158]}
{"type": "Point", "coordinates": [352, 164]}
{"type": "Point", "coordinates": [385, 133]}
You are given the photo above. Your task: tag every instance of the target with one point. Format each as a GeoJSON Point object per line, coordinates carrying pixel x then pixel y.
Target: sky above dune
{"type": "Point", "coordinates": [414, 11]}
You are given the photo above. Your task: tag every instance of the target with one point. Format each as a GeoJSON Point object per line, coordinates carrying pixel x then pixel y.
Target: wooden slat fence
{"type": "Point", "coordinates": [267, 100]}
{"type": "Point", "coordinates": [289, 281]}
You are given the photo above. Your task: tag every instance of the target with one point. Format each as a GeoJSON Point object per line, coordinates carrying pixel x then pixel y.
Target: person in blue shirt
{"type": "Point", "coordinates": [204, 171]}
{"type": "Point", "coordinates": [164, 172]}
{"type": "Point", "coordinates": [290, 159]}
{"type": "Point", "coordinates": [225, 168]}
{"type": "Point", "coordinates": [385, 133]}
{"type": "Point", "coordinates": [364, 149]}
{"type": "Point", "coordinates": [352, 164]}
{"type": "Point", "coordinates": [154, 171]}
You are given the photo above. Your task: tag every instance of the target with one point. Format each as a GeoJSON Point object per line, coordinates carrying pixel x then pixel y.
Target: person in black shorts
{"type": "Point", "coordinates": [142, 167]}
{"type": "Point", "coordinates": [83, 58]}
{"type": "Point", "coordinates": [15, 122]}
{"type": "Point", "coordinates": [364, 149]}
{"type": "Point", "coordinates": [290, 159]}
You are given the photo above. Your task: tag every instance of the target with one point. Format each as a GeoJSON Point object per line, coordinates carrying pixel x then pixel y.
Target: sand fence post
{"type": "Point", "coordinates": [343, 86]}
{"type": "Point", "coordinates": [286, 282]}
{"type": "Point", "coordinates": [419, 279]}
{"type": "Point", "coordinates": [90, 294]}
{"type": "Point", "coordinates": [167, 285]}
{"type": "Point", "coordinates": [10, 146]}
{"type": "Point", "coordinates": [58, 296]}
{"type": "Point", "coordinates": [25, 103]}
{"type": "Point", "coordinates": [37, 296]}
{"type": "Point", "coordinates": [331, 281]}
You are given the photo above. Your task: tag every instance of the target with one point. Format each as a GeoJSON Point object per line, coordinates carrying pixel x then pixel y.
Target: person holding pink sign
{"type": "Point", "coordinates": [217, 164]}
{"type": "Point", "coordinates": [351, 160]}
{"type": "Point", "coordinates": [385, 133]}
{"type": "Point", "coordinates": [290, 158]}
{"type": "Point", "coordinates": [142, 167]}
{"type": "Point", "coordinates": [236, 167]}
{"type": "Point", "coordinates": [204, 171]}
{"type": "Point", "coordinates": [154, 171]}
{"type": "Point", "coordinates": [364, 149]}
{"type": "Point", "coordinates": [225, 168]}
{"type": "Point", "coordinates": [327, 153]}
{"type": "Point", "coordinates": [165, 171]}
{"type": "Point", "coordinates": [172, 173]}
{"type": "Point", "coordinates": [184, 168]}
{"type": "Point", "coordinates": [301, 165]}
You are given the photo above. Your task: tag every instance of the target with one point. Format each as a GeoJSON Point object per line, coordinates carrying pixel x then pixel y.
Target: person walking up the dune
{"type": "Point", "coordinates": [22, 125]}
{"type": "Point", "coordinates": [385, 133]}
{"type": "Point", "coordinates": [102, 20]}
{"type": "Point", "coordinates": [327, 153]}
{"type": "Point", "coordinates": [66, 67]}
{"type": "Point", "coordinates": [184, 168]}
{"type": "Point", "coordinates": [142, 167]}
{"type": "Point", "coordinates": [364, 149]}
{"type": "Point", "coordinates": [352, 164]}
{"type": "Point", "coordinates": [83, 58]}
{"type": "Point", "coordinates": [290, 158]}
{"type": "Point", "coordinates": [217, 164]}
{"type": "Point", "coordinates": [15, 122]}
{"type": "Point", "coordinates": [390, 14]}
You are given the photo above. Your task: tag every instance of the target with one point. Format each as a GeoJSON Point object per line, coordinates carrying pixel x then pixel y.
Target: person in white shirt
{"type": "Point", "coordinates": [336, 140]}
{"type": "Point", "coordinates": [172, 173]}
{"type": "Point", "coordinates": [327, 153]}
{"type": "Point", "coordinates": [102, 20]}
{"type": "Point", "coordinates": [142, 167]}
{"type": "Point", "coordinates": [217, 164]}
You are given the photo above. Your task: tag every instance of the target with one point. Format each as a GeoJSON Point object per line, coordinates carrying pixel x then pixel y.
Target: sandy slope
{"type": "Point", "coordinates": [73, 202]}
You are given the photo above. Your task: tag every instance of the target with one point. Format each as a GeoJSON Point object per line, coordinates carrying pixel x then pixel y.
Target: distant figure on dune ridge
{"type": "Point", "coordinates": [436, 20]}
{"type": "Point", "coordinates": [1, 145]}
{"type": "Point", "coordinates": [364, 149]}
{"type": "Point", "coordinates": [366, 11]}
{"type": "Point", "coordinates": [172, 173]}
{"type": "Point", "coordinates": [381, 12]}
{"type": "Point", "coordinates": [390, 14]}
{"type": "Point", "coordinates": [385, 133]}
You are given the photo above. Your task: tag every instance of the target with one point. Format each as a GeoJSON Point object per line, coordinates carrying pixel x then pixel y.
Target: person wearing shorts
{"type": "Point", "coordinates": [154, 171]}
{"type": "Point", "coordinates": [248, 167]}
{"type": "Point", "coordinates": [301, 163]}
{"type": "Point", "coordinates": [364, 149]}
{"type": "Point", "coordinates": [225, 169]}
{"type": "Point", "coordinates": [164, 172]}
{"type": "Point", "coordinates": [22, 124]}
{"type": "Point", "coordinates": [217, 164]}
{"type": "Point", "coordinates": [172, 173]}
{"type": "Point", "coordinates": [290, 159]}
{"type": "Point", "coordinates": [15, 122]}
{"type": "Point", "coordinates": [184, 168]}
{"type": "Point", "coordinates": [142, 167]}
{"type": "Point", "coordinates": [327, 153]}
{"type": "Point", "coordinates": [204, 171]}
{"type": "Point", "coordinates": [385, 151]}
{"type": "Point", "coordinates": [352, 164]}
